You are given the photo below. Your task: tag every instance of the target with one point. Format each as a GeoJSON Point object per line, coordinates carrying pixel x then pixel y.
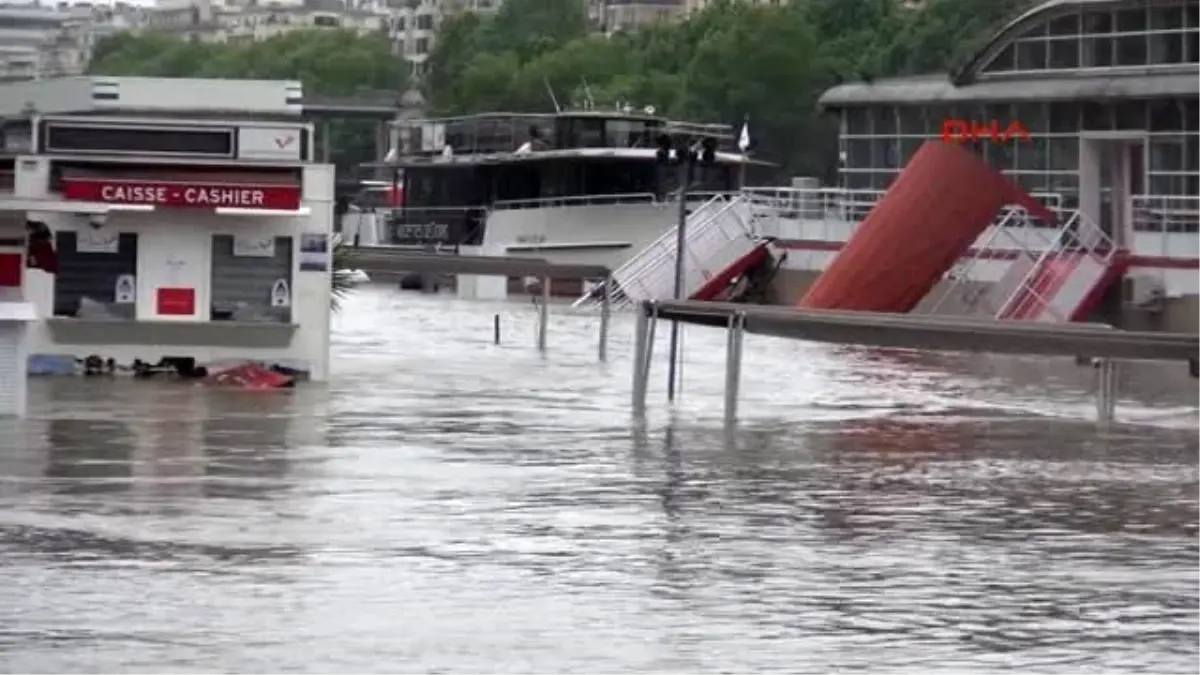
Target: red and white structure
{"type": "Point", "coordinates": [154, 218]}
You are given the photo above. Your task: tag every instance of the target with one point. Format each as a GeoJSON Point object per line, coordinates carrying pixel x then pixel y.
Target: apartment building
{"type": "Point", "coordinates": [411, 24]}
{"type": "Point", "coordinates": [39, 40]}
{"type": "Point", "coordinates": [610, 16]}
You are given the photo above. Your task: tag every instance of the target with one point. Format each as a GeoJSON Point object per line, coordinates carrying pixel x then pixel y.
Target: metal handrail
{"type": "Point", "coordinates": [651, 262]}
{"type": "Point", "coordinates": [663, 248]}
{"type": "Point", "coordinates": [1026, 291]}
{"type": "Point", "coordinates": [965, 273]}
{"type": "Point", "coordinates": [577, 200]}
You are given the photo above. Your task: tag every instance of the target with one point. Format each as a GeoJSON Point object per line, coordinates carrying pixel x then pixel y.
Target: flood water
{"type": "Point", "coordinates": [450, 506]}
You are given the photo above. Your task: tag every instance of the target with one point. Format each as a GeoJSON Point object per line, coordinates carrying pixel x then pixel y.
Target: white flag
{"type": "Point", "coordinates": [744, 139]}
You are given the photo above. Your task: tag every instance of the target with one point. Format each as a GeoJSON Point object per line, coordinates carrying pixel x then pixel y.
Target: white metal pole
{"type": "Point", "coordinates": [605, 316]}
{"type": "Point", "coordinates": [733, 365]}
{"type": "Point", "coordinates": [641, 335]}
{"type": "Point", "coordinates": [544, 314]}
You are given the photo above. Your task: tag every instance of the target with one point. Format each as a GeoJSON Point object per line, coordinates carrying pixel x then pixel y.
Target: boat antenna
{"type": "Point", "coordinates": [587, 91]}
{"type": "Point", "coordinates": [550, 90]}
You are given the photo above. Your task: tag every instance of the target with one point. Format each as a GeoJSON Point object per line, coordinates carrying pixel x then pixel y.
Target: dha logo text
{"type": "Point", "coordinates": [964, 131]}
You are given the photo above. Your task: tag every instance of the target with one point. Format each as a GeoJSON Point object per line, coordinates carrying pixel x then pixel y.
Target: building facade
{"type": "Point", "coordinates": [1069, 72]}
{"type": "Point", "coordinates": [410, 24]}
{"type": "Point", "coordinates": [39, 41]}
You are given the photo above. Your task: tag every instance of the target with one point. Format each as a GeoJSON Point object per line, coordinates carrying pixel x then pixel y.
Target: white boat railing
{"type": "Point", "coordinates": [960, 295]}
{"type": "Point", "coordinates": [1078, 241]}
{"type": "Point", "coordinates": [651, 273]}
{"type": "Point", "coordinates": [1166, 213]}
{"type": "Point", "coordinates": [844, 207]}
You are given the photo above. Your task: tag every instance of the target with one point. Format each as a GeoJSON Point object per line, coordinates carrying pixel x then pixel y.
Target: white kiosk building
{"type": "Point", "coordinates": [154, 221]}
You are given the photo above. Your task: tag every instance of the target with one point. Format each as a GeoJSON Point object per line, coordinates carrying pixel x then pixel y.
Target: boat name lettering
{"type": "Point", "coordinates": [425, 231]}
{"type": "Point", "coordinates": [531, 239]}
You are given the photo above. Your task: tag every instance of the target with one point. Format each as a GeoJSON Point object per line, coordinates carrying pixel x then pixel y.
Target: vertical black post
{"type": "Point", "coordinates": [685, 180]}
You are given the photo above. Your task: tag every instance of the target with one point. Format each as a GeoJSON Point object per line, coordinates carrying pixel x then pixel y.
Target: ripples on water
{"type": "Point", "coordinates": [447, 505]}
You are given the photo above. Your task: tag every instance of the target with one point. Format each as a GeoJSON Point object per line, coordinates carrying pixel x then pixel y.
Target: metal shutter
{"type": "Point", "coordinates": [11, 399]}
{"type": "Point", "coordinates": [241, 286]}
{"type": "Point", "coordinates": [92, 275]}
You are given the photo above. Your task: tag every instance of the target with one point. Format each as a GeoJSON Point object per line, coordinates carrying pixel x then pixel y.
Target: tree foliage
{"type": "Point", "coordinates": [731, 60]}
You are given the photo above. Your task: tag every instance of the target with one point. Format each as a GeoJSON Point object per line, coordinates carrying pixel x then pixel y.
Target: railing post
{"type": "Point", "coordinates": [733, 365]}
{"type": "Point", "coordinates": [605, 315]}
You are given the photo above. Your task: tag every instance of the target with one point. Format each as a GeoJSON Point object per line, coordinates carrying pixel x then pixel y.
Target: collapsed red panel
{"type": "Point", "coordinates": [936, 208]}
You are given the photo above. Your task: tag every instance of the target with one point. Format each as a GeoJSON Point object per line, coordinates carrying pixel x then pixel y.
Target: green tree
{"type": "Point", "coordinates": [730, 60]}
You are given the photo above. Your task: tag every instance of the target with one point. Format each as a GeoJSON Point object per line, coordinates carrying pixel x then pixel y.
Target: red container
{"type": "Point", "coordinates": [932, 214]}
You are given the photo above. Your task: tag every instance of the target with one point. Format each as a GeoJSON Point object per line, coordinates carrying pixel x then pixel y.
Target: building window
{"type": "Point", "coordinates": [1063, 154]}
{"type": "Point", "coordinates": [1065, 26]}
{"type": "Point", "coordinates": [883, 121]}
{"type": "Point", "coordinates": [246, 274]}
{"type": "Point", "coordinates": [1031, 55]}
{"type": "Point", "coordinates": [93, 265]}
{"type": "Point", "coordinates": [1064, 54]}
{"type": "Point", "coordinates": [1130, 38]}
{"type": "Point", "coordinates": [858, 123]}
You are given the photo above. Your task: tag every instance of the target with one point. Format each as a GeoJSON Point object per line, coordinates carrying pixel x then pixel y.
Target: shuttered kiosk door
{"type": "Point", "coordinates": [12, 386]}
{"type": "Point", "coordinates": [243, 285]}
{"type": "Point", "coordinates": [86, 283]}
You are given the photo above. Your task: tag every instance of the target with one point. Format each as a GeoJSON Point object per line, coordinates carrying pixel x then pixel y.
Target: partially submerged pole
{"type": "Point", "coordinates": [544, 314]}
{"type": "Point", "coordinates": [733, 365]}
{"type": "Point", "coordinates": [1106, 391]}
{"type": "Point", "coordinates": [496, 329]}
{"type": "Point", "coordinates": [605, 315]}
{"type": "Point", "coordinates": [641, 339]}
{"type": "Point", "coordinates": [685, 177]}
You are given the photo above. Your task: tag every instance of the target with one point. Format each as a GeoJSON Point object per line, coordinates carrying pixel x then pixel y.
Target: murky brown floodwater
{"type": "Point", "coordinates": [451, 506]}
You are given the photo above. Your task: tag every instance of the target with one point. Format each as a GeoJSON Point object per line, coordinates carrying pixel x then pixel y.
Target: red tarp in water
{"type": "Point", "coordinates": [249, 376]}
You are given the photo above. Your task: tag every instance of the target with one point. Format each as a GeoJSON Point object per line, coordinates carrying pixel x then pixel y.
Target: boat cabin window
{"type": "Point", "coordinates": [440, 186]}
{"type": "Point", "coordinates": [630, 134]}
{"type": "Point", "coordinates": [554, 179]}
{"type": "Point", "coordinates": [717, 178]}
{"type": "Point", "coordinates": [582, 132]}
{"type": "Point", "coordinates": [372, 198]}
{"type": "Point", "coordinates": [573, 178]}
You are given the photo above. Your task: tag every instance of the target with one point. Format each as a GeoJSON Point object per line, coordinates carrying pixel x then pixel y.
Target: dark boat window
{"type": "Point", "coordinates": [441, 186]}
{"type": "Point", "coordinates": [519, 181]}
{"type": "Point", "coordinates": [627, 134]}
{"type": "Point", "coordinates": [584, 132]}
{"type": "Point", "coordinates": [718, 178]}
{"type": "Point", "coordinates": [619, 177]}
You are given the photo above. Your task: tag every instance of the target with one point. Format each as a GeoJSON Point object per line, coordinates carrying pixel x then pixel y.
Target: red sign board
{"type": "Point", "coordinates": [965, 131]}
{"type": "Point", "coordinates": [182, 195]}
{"type": "Point", "coordinates": [11, 267]}
{"type": "Point", "coordinates": [176, 301]}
